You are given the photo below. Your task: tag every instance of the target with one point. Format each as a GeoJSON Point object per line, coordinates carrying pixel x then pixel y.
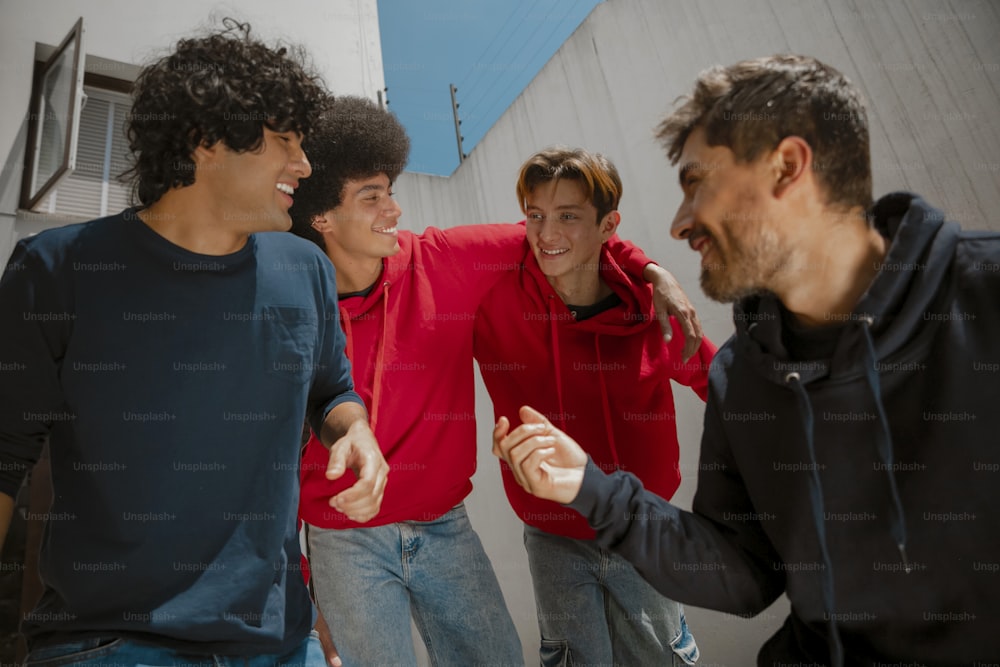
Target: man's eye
{"type": "Point", "coordinates": [535, 216]}
{"type": "Point", "coordinates": [568, 216]}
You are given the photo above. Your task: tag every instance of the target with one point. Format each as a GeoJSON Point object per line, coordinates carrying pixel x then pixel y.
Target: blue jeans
{"type": "Point", "coordinates": [368, 581]}
{"type": "Point", "coordinates": [595, 610]}
{"type": "Point", "coordinates": [117, 652]}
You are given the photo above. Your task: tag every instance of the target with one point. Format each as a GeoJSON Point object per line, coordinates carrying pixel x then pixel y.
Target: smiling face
{"type": "Point", "coordinates": [726, 215]}
{"type": "Point", "coordinates": [254, 189]}
{"type": "Point", "coordinates": [563, 229]}
{"type": "Point", "coordinates": [363, 225]}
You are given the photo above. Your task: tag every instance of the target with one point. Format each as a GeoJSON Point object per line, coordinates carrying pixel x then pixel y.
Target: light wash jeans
{"type": "Point", "coordinates": [112, 652]}
{"type": "Point", "coordinates": [368, 581]}
{"type": "Point", "coordinates": [595, 610]}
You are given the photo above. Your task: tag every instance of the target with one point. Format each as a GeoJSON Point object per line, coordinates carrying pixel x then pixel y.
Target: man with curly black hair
{"type": "Point", "coordinates": [408, 305]}
{"type": "Point", "coordinates": [169, 355]}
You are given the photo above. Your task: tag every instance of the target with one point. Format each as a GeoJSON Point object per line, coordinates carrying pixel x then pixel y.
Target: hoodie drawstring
{"type": "Point", "coordinates": [345, 319]}
{"type": "Point", "coordinates": [816, 498]}
{"type": "Point", "coordinates": [380, 356]}
{"type": "Point", "coordinates": [606, 404]}
{"type": "Point", "coordinates": [554, 332]}
{"type": "Point", "coordinates": [885, 449]}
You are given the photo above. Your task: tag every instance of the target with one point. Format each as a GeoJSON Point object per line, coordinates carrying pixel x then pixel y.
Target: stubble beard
{"type": "Point", "coordinates": [749, 270]}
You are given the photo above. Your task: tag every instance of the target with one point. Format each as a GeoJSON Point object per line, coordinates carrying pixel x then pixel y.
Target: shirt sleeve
{"type": "Point", "coordinates": [694, 373]}
{"type": "Point", "coordinates": [479, 255]}
{"type": "Point", "coordinates": [716, 556]}
{"type": "Point", "coordinates": [628, 256]}
{"type": "Point", "coordinates": [332, 384]}
{"type": "Point", "coordinates": [33, 338]}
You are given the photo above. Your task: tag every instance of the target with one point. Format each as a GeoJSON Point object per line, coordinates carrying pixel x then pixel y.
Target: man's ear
{"type": "Point", "coordinates": [322, 223]}
{"type": "Point", "coordinates": [204, 155]}
{"type": "Point", "coordinates": [792, 163]}
{"type": "Point", "coordinates": [609, 225]}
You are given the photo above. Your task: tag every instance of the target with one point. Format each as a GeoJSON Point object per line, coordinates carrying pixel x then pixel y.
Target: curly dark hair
{"type": "Point", "coordinates": [751, 106]}
{"type": "Point", "coordinates": [222, 87]}
{"type": "Point", "coordinates": [353, 139]}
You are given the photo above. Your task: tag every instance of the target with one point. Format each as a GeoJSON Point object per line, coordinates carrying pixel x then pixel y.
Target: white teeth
{"type": "Point", "coordinates": [286, 188]}
{"type": "Point", "coordinates": [385, 230]}
{"type": "Point", "coordinates": [554, 252]}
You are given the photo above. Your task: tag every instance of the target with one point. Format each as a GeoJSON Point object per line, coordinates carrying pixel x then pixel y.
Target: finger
{"type": "Point", "coordinates": [537, 480]}
{"type": "Point", "coordinates": [520, 453]}
{"type": "Point", "coordinates": [362, 501]}
{"type": "Point", "coordinates": [529, 415]}
{"type": "Point", "coordinates": [520, 434]}
{"type": "Point", "coordinates": [692, 334]}
{"type": "Point", "coordinates": [500, 430]}
{"type": "Point", "coordinates": [337, 463]}
{"type": "Point", "coordinates": [663, 312]}
{"type": "Point", "coordinates": [326, 641]}
{"type": "Point", "coordinates": [523, 475]}
{"type": "Point", "coordinates": [357, 504]}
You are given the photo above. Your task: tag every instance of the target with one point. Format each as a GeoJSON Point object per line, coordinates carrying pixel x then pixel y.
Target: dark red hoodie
{"type": "Point", "coordinates": [410, 345]}
{"type": "Point", "coordinates": [604, 380]}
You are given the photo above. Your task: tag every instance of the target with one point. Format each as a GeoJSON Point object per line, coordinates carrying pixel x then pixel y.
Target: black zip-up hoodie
{"type": "Point", "coordinates": [864, 482]}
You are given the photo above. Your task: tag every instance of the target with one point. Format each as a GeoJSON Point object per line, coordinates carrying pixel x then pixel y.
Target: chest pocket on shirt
{"type": "Point", "coordinates": [290, 342]}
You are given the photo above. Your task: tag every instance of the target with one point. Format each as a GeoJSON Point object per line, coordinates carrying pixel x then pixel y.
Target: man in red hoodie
{"type": "Point", "coordinates": [574, 335]}
{"type": "Point", "coordinates": [407, 305]}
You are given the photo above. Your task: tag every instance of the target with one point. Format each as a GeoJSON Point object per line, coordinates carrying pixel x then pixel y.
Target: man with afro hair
{"type": "Point", "coordinates": [168, 355]}
{"type": "Point", "coordinates": [407, 304]}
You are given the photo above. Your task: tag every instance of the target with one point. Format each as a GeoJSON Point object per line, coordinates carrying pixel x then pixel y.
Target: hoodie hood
{"type": "Point", "coordinates": [632, 315]}
{"type": "Point", "coordinates": [393, 269]}
{"type": "Point", "coordinates": [892, 309]}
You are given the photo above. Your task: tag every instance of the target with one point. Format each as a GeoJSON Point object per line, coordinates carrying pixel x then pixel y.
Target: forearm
{"type": "Point", "coordinates": [685, 556]}
{"type": "Point", "coordinates": [340, 420]}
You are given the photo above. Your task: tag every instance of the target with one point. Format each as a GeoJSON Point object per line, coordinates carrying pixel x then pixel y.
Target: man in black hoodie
{"type": "Point", "coordinates": [848, 456]}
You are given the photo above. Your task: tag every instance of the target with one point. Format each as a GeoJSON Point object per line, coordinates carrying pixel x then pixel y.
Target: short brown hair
{"type": "Point", "coordinates": [751, 106]}
{"type": "Point", "coordinates": [596, 173]}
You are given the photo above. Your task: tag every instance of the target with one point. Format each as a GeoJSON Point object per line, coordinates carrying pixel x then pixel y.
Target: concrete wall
{"type": "Point", "coordinates": [342, 38]}
{"type": "Point", "coordinates": [931, 73]}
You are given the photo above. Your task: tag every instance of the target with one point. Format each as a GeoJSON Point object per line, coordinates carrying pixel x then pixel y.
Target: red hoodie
{"type": "Point", "coordinates": [604, 380]}
{"type": "Point", "coordinates": [410, 345]}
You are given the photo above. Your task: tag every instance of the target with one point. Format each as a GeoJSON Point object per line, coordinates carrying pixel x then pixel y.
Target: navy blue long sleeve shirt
{"type": "Point", "coordinates": [172, 387]}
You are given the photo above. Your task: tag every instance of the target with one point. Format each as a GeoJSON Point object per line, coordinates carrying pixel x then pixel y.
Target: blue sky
{"type": "Point", "coordinates": [490, 49]}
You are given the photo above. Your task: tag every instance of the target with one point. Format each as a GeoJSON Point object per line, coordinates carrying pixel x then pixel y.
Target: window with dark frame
{"type": "Point", "coordinates": [56, 96]}
{"type": "Point", "coordinates": [88, 185]}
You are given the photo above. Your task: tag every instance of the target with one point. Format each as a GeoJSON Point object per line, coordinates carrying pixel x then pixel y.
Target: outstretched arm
{"type": "Point", "coordinates": [716, 557]}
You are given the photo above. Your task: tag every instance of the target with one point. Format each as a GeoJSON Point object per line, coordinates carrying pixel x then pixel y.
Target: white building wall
{"type": "Point", "coordinates": [931, 74]}
{"type": "Point", "coordinates": [341, 37]}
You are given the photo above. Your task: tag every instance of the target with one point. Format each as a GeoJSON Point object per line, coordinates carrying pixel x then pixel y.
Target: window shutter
{"type": "Point", "coordinates": [93, 189]}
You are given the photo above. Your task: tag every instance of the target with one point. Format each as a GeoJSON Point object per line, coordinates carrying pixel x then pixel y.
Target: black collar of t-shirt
{"type": "Point", "coordinates": [365, 292]}
{"type": "Point", "coordinates": [581, 313]}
